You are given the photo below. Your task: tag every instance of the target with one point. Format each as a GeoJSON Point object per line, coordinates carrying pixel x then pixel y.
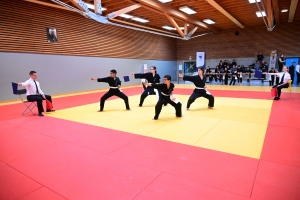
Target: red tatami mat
{"type": "Point", "coordinates": [42, 194]}
{"type": "Point", "coordinates": [282, 145]}
{"type": "Point", "coordinates": [93, 137]}
{"type": "Point", "coordinates": [168, 186]}
{"type": "Point", "coordinates": [82, 173]}
{"type": "Point", "coordinates": [220, 170]}
{"type": "Point", "coordinates": [14, 184]}
{"type": "Point", "coordinates": [48, 158]}
{"type": "Point", "coordinates": [276, 182]}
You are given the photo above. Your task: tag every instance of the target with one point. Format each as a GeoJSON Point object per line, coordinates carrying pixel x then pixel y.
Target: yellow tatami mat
{"type": "Point", "coordinates": [235, 125]}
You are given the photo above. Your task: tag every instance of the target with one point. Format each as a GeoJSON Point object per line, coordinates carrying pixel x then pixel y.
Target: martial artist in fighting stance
{"type": "Point", "coordinates": [200, 90]}
{"type": "Point", "coordinates": [151, 77]}
{"type": "Point", "coordinates": [115, 84]}
{"type": "Point", "coordinates": [165, 96]}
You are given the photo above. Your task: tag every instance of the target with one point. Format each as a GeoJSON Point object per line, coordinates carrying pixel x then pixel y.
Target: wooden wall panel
{"type": "Point", "coordinates": [284, 38]}
{"type": "Point", "coordinates": [23, 29]}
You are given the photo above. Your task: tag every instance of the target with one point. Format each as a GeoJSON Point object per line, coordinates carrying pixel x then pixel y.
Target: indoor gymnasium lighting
{"type": "Point", "coordinates": [208, 21]}
{"type": "Point", "coordinates": [168, 27]}
{"type": "Point", "coordinates": [253, 1]}
{"type": "Point", "coordinates": [260, 13]}
{"type": "Point", "coordinates": [187, 10]}
{"type": "Point", "coordinates": [284, 10]}
{"type": "Point", "coordinates": [140, 19]}
{"type": "Point", "coordinates": [126, 16]}
{"type": "Point", "coordinates": [165, 1]}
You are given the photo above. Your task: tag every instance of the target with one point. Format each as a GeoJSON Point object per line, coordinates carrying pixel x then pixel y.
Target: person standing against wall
{"type": "Point", "coordinates": [281, 61]}
{"type": "Point", "coordinates": [292, 71]}
{"type": "Point", "coordinates": [298, 73]}
{"type": "Point", "coordinates": [260, 57]}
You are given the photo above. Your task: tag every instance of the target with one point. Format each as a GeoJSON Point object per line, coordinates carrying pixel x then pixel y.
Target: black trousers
{"type": "Point", "coordinates": [147, 91]}
{"type": "Point", "coordinates": [201, 93]}
{"type": "Point", "coordinates": [292, 77]}
{"type": "Point", "coordinates": [280, 67]}
{"type": "Point", "coordinates": [240, 79]}
{"type": "Point", "coordinates": [226, 80]}
{"type": "Point", "coordinates": [271, 82]}
{"type": "Point", "coordinates": [39, 100]}
{"type": "Point", "coordinates": [280, 87]}
{"type": "Point", "coordinates": [298, 78]}
{"type": "Point", "coordinates": [165, 100]}
{"type": "Point", "coordinates": [114, 92]}
{"type": "Point", "coordinates": [232, 80]}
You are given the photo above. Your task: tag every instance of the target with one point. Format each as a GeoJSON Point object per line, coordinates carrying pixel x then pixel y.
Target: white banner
{"type": "Point", "coordinates": [200, 59]}
{"type": "Point", "coordinates": [273, 59]}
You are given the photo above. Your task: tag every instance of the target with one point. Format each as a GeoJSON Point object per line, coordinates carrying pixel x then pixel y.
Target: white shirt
{"type": "Point", "coordinates": [287, 76]}
{"type": "Point", "coordinates": [31, 88]}
{"type": "Point", "coordinates": [298, 68]}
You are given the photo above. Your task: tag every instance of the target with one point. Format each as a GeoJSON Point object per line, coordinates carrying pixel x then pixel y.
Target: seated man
{"type": "Point", "coordinates": [35, 93]}
{"type": "Point", "coordinates": [285, 77]}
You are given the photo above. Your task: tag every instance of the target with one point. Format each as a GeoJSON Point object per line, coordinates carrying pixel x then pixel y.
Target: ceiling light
{"type": "Point", "coordinates": [254, 1]}
{"type": "Point", "coordinates": [187, 10]}
{"type": "Point", "coordinates": [260, 14]}
{"type": "Point", "coordinates": [284, 10]}
{"type": "Point", "coordinates": [165, 1]}
{"type": "Point", "coordinates": [140, 19]}
{"type": "Point", "coordinates": [91, 6]}
{"type": "Point", "coordinates": [208, 21]}
{"type": "Point", "coordinates": [168, 27]}
{"type": "Point", "coordinates": [126, 16]}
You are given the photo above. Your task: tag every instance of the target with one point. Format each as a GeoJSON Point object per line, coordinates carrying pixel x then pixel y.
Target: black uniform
{"type": "Point", "coordinates": [233, 76]}
{"type": "Point", "coordinates": [164, 98]}
{"type": "Point", "coordinates": [248, 71]}
{"type": "Point", "coordinates": [292, 72]}
{"type": "Point", "coordinates": [226, 73]}
{"type": "Point", "coordinates": [115, 91]}
{"type": "Point", "coordinates": [208, 73]}
{"type": "Point", "coordinates": [264, 69]}
{"type": "Point", "coordinates": [200, 83]}
{"type": "Point", "coordinates": [149, 90]}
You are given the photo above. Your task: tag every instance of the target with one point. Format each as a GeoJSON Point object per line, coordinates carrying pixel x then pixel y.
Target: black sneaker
{"type": "Point", "coordinates": [40, 114]}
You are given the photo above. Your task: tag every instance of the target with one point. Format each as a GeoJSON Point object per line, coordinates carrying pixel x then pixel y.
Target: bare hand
{"type": "Point", "coordinates": [173, 98]}
{"type": "Point", "coordinates": [19, 84]}
{"type": "Point", "coordinates": [132, 74]}
{"type": "Point", "coordinates": [204, 87]}
{"type": "Point", "coordinates": [180, 75]}
{"type": "Point", "coordinates": [43, 96]}
{"type": "Point", "coordinates": [93, 79]}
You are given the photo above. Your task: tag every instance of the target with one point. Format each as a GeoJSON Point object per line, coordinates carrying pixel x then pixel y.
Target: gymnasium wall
{"type": "Point", "coordinates": [285, 38]}
{"type": "Point", "coordinates": [85, 49]}
{"type": "Point", "coordinates": [59, 74]}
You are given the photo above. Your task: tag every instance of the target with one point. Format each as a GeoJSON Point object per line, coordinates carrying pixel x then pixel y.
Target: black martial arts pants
{"type": "Point", "coordinates": [240, 79]}
{"type": "Point", "coordinates": [279, 88]}
{"type": "Point", "coordinates": [226, 80]}
{"type": "Point", "coordinates": [165, 100]}
{"type": "Point", "coordinates": [232, 80]}
{"type": "Point", "coordinates": [147, 91]}
{"type": "Point", "coordinates": [201, 93]}
{"type": "Point", "coordinates": [271, 82]}
{"type": "Point", "coordinates": [114, 92]}
{"type": "Point", "coordinates": [39, 100]}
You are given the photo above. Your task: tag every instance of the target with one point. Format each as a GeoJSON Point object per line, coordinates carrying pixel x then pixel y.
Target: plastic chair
{"type": "Point", "coordinates": [28, 104]}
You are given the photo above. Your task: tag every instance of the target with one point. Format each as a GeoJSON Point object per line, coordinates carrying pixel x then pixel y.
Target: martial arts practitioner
{"type": "Point", "coordinates": [151, 77]}
{"type": "Point", "coordinates": [200, 90]}
{"type": "Point", "coordinates": [285, 77]}
{"type": "Point", "coordinates": [115, 84]}
{"type": "Point", "coordinates": [35, 93]}
{"type": "Point", "coordinates": [166, 96]}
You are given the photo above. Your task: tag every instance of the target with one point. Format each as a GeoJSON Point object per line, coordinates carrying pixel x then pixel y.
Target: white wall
{"type": "Point", "coordinates": [59, 74]}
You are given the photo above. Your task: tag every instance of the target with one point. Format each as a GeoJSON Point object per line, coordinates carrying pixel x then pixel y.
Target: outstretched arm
{"type": "Point", "coordinates": [101, 79]}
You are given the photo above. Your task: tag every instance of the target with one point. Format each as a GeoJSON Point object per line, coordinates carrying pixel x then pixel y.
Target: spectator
{"type": "Point", "coordinates": [281, 62]}
{"type": "Point", "coordinates": [292, 71]}
{"type": "Point", "coordinates": [260, 57]}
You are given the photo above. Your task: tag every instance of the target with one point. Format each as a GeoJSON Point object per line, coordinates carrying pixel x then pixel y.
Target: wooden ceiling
{"type": "Point", "coordinates": [241, 10]}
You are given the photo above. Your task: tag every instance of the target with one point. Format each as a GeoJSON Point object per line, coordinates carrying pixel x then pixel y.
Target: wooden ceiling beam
{"type": "Point", "coordinates": [75, 3]}
{"type": "Point", "coordinates": [276, 11]}
{"type": "Point", "coordinates": [185, 28]}
{"type": "Point", "coordinates": [165, 8]}
{"type": "Point", "coordinates": [293, 8]}
{"type": "Point", "coordinates": [173, 22]}
{"type": "Point", "coordinates": [98, 6]}
{"type": "Point", "coordinates": [48, 4]}
{"type": "Point", "coordinates": [123, 10]}
{"type": "Point", "coordinates": [224, 12]}
{"type": "Point", "coordinates": [269, 11]}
